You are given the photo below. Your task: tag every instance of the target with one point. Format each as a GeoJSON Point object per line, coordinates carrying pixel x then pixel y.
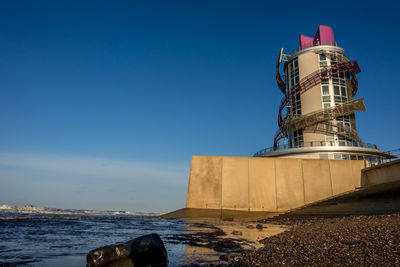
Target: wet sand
{"type": "Point", "coordinates": [214, 243]}
{"type": "Point", "coordinates": [347, 241]}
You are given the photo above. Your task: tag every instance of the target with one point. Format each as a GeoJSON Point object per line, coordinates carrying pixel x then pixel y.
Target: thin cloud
{"type": "Point", "coordinates": [98, 167]}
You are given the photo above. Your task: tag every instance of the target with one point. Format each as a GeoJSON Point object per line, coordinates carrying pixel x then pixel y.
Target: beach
{"type": "Point", "coordinates": [344, 241]}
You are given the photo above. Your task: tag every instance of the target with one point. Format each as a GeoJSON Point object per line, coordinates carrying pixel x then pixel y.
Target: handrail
{"type": "Point", "coordinates": [315, 144]}
{"type": "Point", "coordinates": [315, 78]}
{"type": "Point", "coordinates": [313, 44]}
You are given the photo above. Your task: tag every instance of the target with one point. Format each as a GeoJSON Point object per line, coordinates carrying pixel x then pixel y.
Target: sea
{"type": "Point", "coordinates": [40, 236]}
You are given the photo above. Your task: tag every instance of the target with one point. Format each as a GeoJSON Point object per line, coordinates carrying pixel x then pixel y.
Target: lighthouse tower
{"type": "Point", "coordinates": [316, 116]}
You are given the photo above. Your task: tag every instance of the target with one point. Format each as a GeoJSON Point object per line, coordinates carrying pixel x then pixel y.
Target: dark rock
{"type": "Point", "coordinates": [237, 233]}
{"type": "Point", "coordinates": [224, 257]}
{"type": "Point", "coordinates": [250, 226]}
{"type": "Point", "coordinates": [142, 251]}
{"type": "Point", "coordinates": [259, 226]}
{"type": "Point", "coordinates": [107, 254]}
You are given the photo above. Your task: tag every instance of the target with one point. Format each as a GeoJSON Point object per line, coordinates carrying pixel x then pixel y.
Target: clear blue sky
{"type": "Point", "coordinates": [103, 103]}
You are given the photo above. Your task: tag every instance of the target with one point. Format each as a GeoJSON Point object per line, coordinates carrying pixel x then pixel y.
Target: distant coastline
{"type": "Point", "coordinates": [32, 209]}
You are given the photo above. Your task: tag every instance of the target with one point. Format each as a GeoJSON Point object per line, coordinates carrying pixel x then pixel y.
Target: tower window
{"type": "Point", "coordinates": [340, 94]}
{"type": "Point", "coordinates": [293, 72]}
{"type": "Point", "coordinates": [298, 138]}
{"type": "Point", "coordinates": [322, 61]}
{"type": "Point", "coordinates": [336, 90]}
{"type": "Point", "coordinates": [325, 90]}
{"type": "Point", "coordinates": [343, 90]}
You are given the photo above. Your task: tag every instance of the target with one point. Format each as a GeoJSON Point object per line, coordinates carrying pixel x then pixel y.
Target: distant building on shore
{"type": "Point", "coordinates": [316, 116]}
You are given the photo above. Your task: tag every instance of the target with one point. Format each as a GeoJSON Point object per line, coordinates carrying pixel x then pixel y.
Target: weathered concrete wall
{"type": "Point", "coordinates": [345, 175]}
{"type": "Point", "coordinates": [262, 185]}
{"type": "Point", "coordinates": [384, 173]}
{"type": "Point", "coordinates": [267, 184]}
{"type": "Point", "coordinates": [205, 183]}
{"type": "Point", "coordinates": [235, 183]}
{"type": "Point", "coordinates": [289, 183]}
{"type": "Point", "coordinates": [317, 180]}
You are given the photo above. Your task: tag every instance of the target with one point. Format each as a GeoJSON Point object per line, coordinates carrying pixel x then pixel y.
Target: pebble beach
{"type": "Point", "coordinates": [347, 241]}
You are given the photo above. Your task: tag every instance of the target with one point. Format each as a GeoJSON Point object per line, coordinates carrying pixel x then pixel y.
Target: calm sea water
{"type": "Point", "coordinates": [37, 240]}
{"type": "Point", "coordinates": [33, 237]}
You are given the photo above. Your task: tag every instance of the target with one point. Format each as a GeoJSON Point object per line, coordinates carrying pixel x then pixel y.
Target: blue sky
{"type": "Point", "coordinates": [103, 103]}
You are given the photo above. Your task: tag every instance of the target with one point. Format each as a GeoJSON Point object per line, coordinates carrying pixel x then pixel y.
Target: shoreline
{"type": "Point", "coordinates": [214, 243]}
{"type": "Point", "coordinates": [351, 240]}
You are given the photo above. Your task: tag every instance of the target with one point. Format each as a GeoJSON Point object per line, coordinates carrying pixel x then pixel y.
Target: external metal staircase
{"type": "Point", "coordinates": [289, 123]}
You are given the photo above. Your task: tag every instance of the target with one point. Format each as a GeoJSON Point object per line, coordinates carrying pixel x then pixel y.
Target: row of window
{"type": "Point", "coordinates": [371, 160]}
{"type": "Point", "coordinates": [348, 156]}
{"type": "Point", "coordinates": [333, 59]}
{"type": "Point", "coordinates": [293, 73]}
{"type": "Point", "coordinates": [294, 103]}
{"type": "Point", "coordinates": [294, 106]}
{"type": "Point", "coordinates": [334, 92]}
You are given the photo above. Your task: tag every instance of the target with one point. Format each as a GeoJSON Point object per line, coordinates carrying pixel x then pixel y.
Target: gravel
{"type": "Point", "coordinates": [347, 241]}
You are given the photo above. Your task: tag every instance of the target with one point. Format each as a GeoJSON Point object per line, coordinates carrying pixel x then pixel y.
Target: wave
{"type": "Point", "coordinates": [31, 209]}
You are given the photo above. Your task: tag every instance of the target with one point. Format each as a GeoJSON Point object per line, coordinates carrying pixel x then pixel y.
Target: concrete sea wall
{"type": "Point", "coordinates": [383, 173]}
{"type": "Point", "coordinates": [267, 184]}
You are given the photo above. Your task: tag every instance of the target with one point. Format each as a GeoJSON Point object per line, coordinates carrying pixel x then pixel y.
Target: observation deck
{"type": "Point", "coordinates": [346, 149]}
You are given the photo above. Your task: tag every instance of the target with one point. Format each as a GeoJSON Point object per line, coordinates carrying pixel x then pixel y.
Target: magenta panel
{"type": "Point", "coordinates": [324, 36]}
{"type": "Point", "coordinates": [305, 41]}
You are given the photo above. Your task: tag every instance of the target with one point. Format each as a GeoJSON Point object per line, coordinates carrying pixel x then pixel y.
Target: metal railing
{"type": "Point", "coordinates": [313, 44]}
{"type": "Point", "coordinates": [314, 144]}
{"type": "Point", "coordinates": [314, 78]}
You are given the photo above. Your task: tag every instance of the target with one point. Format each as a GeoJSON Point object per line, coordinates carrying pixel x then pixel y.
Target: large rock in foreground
{"type": "Point", "coordinates": [142, 251]}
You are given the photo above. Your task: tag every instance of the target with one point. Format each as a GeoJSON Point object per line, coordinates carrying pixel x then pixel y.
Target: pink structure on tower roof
{"type": "Point", "coordinates": [323, 36]}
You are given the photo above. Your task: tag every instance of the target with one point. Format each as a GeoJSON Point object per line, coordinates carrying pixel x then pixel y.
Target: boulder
{"type": "Point", "coordinates": [142, 251]}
